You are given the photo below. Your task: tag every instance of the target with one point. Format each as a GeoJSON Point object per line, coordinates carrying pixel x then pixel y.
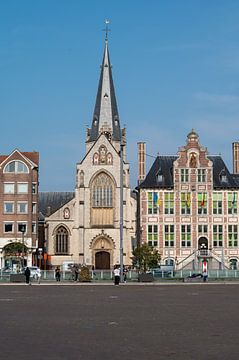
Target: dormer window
{"type": "Point", "coordinates": [106, 96]}
{"type": "Point", "coordinates": [223, 176]}
{"type": "Point", "coordinates": [159, 178]}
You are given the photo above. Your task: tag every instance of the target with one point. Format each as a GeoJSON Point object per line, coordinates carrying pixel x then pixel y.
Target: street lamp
{"type": "Point", "coordinates": [22, 230]}
{"type": "Point", "coordinates": [121, 212]}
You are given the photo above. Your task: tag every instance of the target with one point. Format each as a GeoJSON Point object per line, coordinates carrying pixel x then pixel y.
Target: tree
{"type": "Point", "coordinates": [146, 257]}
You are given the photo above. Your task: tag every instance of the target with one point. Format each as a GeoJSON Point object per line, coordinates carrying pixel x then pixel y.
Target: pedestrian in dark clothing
{"type": "Point", "coordinates": [58, 274]}
{"type": "Point", "coordinates": [27, 274]}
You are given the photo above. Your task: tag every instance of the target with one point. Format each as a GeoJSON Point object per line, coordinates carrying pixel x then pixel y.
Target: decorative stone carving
{"type": "Point", "coordinates": [66, 213]}
{"type": "Point", "coordinates": [193, 160]}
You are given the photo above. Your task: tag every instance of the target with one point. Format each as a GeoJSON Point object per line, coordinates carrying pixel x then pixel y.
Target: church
{"type": "Point", "coordinates": [83, 227]}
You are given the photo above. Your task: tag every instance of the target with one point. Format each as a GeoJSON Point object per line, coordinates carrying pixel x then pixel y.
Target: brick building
{"type": "Point", "coordinates": [18, 208]}
{"type": "Point", "coordinates": [188, 207]}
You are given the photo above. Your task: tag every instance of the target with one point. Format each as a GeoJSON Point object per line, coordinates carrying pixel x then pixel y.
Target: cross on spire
{"type": "Point", "coordinates": [106, 29]}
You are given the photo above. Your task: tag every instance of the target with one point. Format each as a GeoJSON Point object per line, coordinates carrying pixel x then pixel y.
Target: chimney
{"type": "Point", "coordinates": [141, 161]}
{"type": "Point", "coordinates": [235, 157]}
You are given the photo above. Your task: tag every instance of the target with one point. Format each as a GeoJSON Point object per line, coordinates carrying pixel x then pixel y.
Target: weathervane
{"type": "Point", "coordinates": [106, 29]}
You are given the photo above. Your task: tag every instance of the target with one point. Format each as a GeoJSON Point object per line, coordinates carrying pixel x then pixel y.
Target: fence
{"type": "Point", "coordinates": [132, 275]}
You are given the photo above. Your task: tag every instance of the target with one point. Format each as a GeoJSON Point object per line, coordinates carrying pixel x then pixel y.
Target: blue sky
{"type": "Point", "coordinates": [175, 67]}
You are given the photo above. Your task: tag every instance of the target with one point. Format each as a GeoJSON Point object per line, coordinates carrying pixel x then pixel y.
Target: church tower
{"type": "Point", "coordinates": [86, 228]}
{"type": "Point", "coordinates": [97, 221]}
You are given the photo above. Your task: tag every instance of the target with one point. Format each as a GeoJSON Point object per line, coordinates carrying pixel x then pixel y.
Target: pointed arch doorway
{"type": "Point", "coordinates": [102, 260]}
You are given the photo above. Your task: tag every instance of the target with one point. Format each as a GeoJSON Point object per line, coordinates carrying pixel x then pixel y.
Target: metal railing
{"type": "Point", "coordinates": [132, 275]}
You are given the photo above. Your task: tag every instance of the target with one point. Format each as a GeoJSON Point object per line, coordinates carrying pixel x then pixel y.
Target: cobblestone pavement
{"type": "Point", "coordinates": [192, 321]}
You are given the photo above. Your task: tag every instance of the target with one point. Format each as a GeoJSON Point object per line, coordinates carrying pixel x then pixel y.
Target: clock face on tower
{"type": "Point", "coordinates": [66, 213]}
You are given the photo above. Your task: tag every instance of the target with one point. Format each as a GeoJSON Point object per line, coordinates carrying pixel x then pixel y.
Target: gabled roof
{"type": "Point", "coordinates": [31, 157]}
{"type": "Point", "coordinates": [49, 202]}
{"type": "Point", "coordinates": [163, 165]}
{"type": "Point", "coordinates": [106, 112]}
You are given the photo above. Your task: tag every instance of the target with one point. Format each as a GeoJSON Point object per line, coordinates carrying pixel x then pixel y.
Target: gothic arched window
{"type": "Point", "coordinates": [102, 191]}
{"type": "Point", "coordinates": [61, 241]}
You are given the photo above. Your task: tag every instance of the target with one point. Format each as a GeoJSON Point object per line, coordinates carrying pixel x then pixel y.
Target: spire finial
{"type": "Point", "coordinates": [106, 29]}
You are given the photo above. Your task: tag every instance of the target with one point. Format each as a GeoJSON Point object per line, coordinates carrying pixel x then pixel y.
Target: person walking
{"type": "Point", "coordinates": [204, 275]}
{"type": "Point", "coordinates": [39, 276]}
{"type": "Point", "coordinates": [125, 274]}
{"type": "Point", "coordinates": [117, 275]}
{"type": "Point", "coordinates": [27, 274]}
{"type": "Point", "coordinates": [58, 274]}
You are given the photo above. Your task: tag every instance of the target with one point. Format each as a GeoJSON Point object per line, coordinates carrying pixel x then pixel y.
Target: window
{"type": "Point", "coordinates": [8, 227]}
{"type": "Point", "coordinates": [202, 229]}
{"type": "Point", "coordinates": [186, 235]}
{"type": "Point", "coordinates": [34, 208]}
{"type": "Point", "coordinates": [34, 227]}
{"type": "Point", "coordinates": [61, 241]}
{"type": "Point", "coordinates": [22, 207]}
{"type": "Point", "coordinates": [217, 203]}
{"type": "Point", "coordinates": [22, 227]}
{"type": "Point", "coordinates": [202, 203]}
{"type": "Point", "coordinates": [152, 203]}
{"type": "Point", "coordinates": [232, 203]}
{"type": "Point", "coordinates": [16, 167]}
{"type": "Point", "coordinates": [185, 203]}
{"type": "Point", "coordinates": [217, 235]}
{"type": "Point", "coordinates": [168, 235]}
{"type": "Point", "coordinates": [233, 264]}
{"type": "Point", "coordinates": [8, 188]}
{"type": "Point", "coordinates": [153, 235]}
{"type": "Point", "coordinates": [168, 203]}
{"type": "Point", "coordinates": [232, 235]}
{"type": "Point", "coordinates": [184, 175]}
{"type": "Point", "coordinates": [201, 175]}
{"type": "Point", "coordinates": [8, 207]}
{"type": "Point", "coordinates": [34, 188]}
{"type": "Point", "coordinates": [102, 191]}
{"type": "Point", "coordinates": [22, 188]}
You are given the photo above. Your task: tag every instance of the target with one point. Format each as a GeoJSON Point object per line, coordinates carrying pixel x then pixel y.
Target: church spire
{"type": "Point", "coordinates": [105, 117]}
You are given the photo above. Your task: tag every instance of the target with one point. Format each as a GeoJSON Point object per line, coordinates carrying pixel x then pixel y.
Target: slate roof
{"type": "Point", "coordinates": [115, 125]}
{"type": "Point", "coordinates": [49, 202]}
{"type": "Point", "coordinates": [163, 165]}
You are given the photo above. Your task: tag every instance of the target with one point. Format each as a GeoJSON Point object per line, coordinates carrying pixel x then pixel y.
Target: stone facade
{"type": "Point", "coordinates": [86, 230]}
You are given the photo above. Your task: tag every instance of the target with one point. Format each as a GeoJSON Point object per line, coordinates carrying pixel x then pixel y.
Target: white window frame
{"type": "Point", "coordinates": [16, 167]}
{"type": "Point", "coordinates": [19, 184]}
{"type": "Point", "coordinates": [184, 175]}
{"type": "Point", "coordinates": [4, 207]}
{"type": "Point", "coordinates": [8, 184]}
{"type": "Point", "coordinates": [8, 223]}
{"type": "Point", "coordinates": [153, 234]}
{"type": "Point", "coordinates": [171, 242]}
{"type": "Point", "coordinates": [22, 223]}
{"type": "Point", "coordinates": [19, 207]}
{"type": "Point", "coordinates": [201, 175]}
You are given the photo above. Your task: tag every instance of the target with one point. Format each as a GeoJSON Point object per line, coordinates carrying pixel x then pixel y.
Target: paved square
{"type": "Point", "coordinates": [126, 322]}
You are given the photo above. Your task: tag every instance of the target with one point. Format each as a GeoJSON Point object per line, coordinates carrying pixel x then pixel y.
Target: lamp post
{"type": "Point", "coordinates": [23, 229]}
{"type": "Point", "coordinates": [121, 214]}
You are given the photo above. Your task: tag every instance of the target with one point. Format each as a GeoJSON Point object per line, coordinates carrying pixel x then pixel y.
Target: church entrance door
{"type": "Point", "coordinates": [102, 260]}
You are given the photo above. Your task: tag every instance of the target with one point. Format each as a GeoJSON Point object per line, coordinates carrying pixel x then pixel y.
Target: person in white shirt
{"type": "Point", "coordinates": [117, 275]}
